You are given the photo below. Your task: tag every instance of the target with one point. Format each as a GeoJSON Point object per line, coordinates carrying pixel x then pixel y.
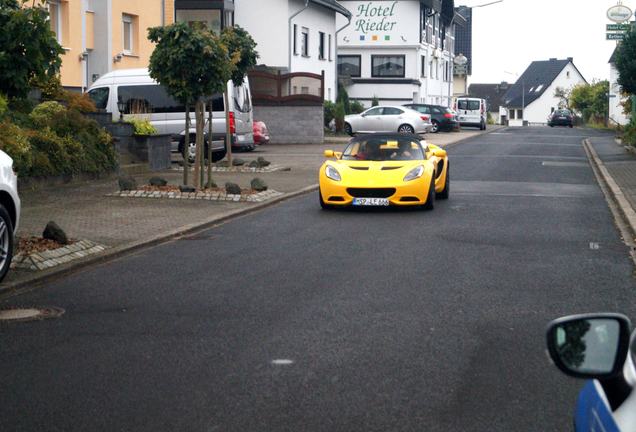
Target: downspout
{"type": "Point", "coordinates": [163, 12]}
{"type": "Point", "coordinates": [335, 89]}
{"type": "Point", "coordinates": [290, 39]}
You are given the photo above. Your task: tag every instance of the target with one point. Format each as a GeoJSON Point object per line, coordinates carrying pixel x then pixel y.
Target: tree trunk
{"type": "Point", "coordinates": [209, 184]}
{"type": "Point", "coordinates": [186, 145]}
{"type": "Point", "coordinates": [199, 116]}
{"type": "Point", "coordinates": [228, 134]}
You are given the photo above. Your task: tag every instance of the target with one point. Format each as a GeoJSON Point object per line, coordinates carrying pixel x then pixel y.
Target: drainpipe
{"type": "Point", "coordinates": [335, 89]}
{"type": "Point", "coordinates": [291, 40]}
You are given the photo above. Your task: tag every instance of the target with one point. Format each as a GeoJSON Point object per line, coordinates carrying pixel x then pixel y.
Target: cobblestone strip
{"type": "Point", "coordinates": [54, 257]}
{"type": "Point", "coordinates": [206, 196]}
{"type": "Point", "coordinates": [244, 169]}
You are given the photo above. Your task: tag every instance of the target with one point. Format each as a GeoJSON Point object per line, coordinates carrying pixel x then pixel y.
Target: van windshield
{"type": "Point", "coordinates": [470, 105]}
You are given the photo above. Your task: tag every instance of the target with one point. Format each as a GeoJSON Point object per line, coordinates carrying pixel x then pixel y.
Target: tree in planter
{"type": "Point", "coordinates": [28, 48]}
{"type": "Point", "coordinates": [243, 55]}
{"type": "Point", "coordinates": [192, 63]}
{"type": "Point", "coordinates": [626, 63]}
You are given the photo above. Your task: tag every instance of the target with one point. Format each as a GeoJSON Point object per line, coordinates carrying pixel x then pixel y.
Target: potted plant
{"type": "Point", "coordinates": [149, 146]}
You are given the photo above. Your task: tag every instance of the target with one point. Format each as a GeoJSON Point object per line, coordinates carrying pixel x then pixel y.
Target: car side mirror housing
{"type": "Point", "coordinates": [440, 153]}
{"type": "Point", "coordinates": [329, 153]}
{"type": "Point", "coordinates": [590, 346]}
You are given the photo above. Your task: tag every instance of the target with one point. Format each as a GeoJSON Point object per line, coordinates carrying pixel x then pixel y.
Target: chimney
{"type": "Point", "coordinates": [571, 59]}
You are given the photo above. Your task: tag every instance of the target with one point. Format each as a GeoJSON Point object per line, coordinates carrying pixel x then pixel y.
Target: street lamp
{"type": "Point", "coordinates": [121, 106]}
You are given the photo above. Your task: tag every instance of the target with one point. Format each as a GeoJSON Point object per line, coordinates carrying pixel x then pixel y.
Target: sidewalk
{"type": "Point", "coordinates": [617, 167]}
{"type": "Point", "coordinates": [124, 224]}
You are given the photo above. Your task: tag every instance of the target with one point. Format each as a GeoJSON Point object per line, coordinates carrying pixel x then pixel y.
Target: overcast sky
{"type": "Point", "coordinates": [508, 36]}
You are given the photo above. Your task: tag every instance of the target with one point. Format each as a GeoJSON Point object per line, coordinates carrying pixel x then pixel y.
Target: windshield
{"type": "Point", "coordinates": [384, 149]}
{"type": "Point", "coordinates": [470, 105]}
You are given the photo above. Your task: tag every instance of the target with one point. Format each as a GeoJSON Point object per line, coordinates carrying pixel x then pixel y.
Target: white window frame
{"type": "Point", "coordinates": [304, 42]}
{"type": "Point", "coordinates": [127, 19]}
{"type": "Point", "coordinates": [322, 44]}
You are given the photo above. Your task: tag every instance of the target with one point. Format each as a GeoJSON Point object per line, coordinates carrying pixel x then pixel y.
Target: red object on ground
{"type": "Point", "coordinates": [261, 134]}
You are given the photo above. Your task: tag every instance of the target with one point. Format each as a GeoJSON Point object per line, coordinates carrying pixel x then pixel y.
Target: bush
{"type": "Point", "coordinates": [77, 101]}
{"type": "Point", "coordinates": [375, 101]}
{"type": "Point", "coordinates": [343, 97]}
{"type": "Point", "coordinates": [59, 141]}
{"type": "Point", "coordinates": [339, 115]}
{"type": "Point", "coordinates": [15, 142]}
{"type": "Point", "coordinates": [356, 107]}
{"type": "Point", "coordinates": [329, 109]}
{"type": "Point", "coordinates": [143, 127]}
{"type": "Point", "coordinates": [42, 115]}
{"type": "Point", "coordinates": [4, 106]}
{"type": "Point", "coordinates": [629, 136]}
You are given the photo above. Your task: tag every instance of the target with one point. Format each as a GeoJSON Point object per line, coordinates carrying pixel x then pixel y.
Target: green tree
{"type": "Point", "coordinates": [563, 95]}
{"type": "Point", "coordinates": [343, 97]}
{"type": "Point", "coordinates": [243, 56]}
{"type": "Point", "coordinates": [28, 48]}
{"type": "Point", "coordinates": [591, 100]}
{"type": "Point", "coordinates": [191, 63]}
{"type": "Point", "coordinates": [626, 62]}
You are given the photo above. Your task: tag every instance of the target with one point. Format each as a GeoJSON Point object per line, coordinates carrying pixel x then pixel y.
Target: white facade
{"type": "Point", "coordinates": [616, 114]}
{"type": "Point", "coordinates": [538, 110]}
{"type": "Point", "coordinates": [280, 27]}
{"type": "Point", "coordinates": [391, 33]}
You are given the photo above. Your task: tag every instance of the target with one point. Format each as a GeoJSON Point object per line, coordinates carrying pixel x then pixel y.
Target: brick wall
{"type": "Point", "coordinates": [293, 124]}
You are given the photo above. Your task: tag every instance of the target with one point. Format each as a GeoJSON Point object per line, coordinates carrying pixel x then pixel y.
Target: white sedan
{"type": "Point", "coordinates": [388, 119]}
{"type": "Point", "coordinates": [9, 211]}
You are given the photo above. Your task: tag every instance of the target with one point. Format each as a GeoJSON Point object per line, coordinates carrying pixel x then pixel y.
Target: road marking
{"type": "Point", "coordinates": [594, 246]}
{"type": "Point", "coordinates": [282, 362]}
{"type": "Point", "coordinates": [566, 164]}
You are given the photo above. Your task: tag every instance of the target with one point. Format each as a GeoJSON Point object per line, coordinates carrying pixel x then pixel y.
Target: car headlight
{"type": "Point", "coordinates": [332, 173]}
{"type": "Point", "coordinates": [416, 172]}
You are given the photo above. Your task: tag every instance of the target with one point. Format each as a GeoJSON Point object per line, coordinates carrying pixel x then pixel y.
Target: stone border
{"type": "Point", "coordinates": [242, 169]}
{"type": "Point", "coordinates": [203, 196]}
{"type": "Point", "coordinates": [54, 257]}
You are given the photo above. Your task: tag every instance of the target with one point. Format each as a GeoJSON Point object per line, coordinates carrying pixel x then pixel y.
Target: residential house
{"type": "Point", "coordinates": [397, 51]}
{"type": "Point", "coordinates": [463, 46]}
{"type": "Point", "coordinates": [99, 36]}
{"type": "Point", "coordinates": [494, 96]}
{"type": "Point", "coordinates": [295, 36]}
{"type": "Point", "coordinates": [532, 98]}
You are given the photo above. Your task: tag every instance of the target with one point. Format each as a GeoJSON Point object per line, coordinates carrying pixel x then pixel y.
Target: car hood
{"type": "Point", "coordinates": [372, 173]}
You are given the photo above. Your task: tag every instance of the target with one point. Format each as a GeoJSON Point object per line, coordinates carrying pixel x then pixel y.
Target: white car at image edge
{"type": "Point", "coordinates": [388, 119]}
{"type": "Point", "coordinates": [9, 211]}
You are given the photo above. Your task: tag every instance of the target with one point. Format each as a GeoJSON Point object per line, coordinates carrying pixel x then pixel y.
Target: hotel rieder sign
{"type": "Point", "coordinates": [374, 21]}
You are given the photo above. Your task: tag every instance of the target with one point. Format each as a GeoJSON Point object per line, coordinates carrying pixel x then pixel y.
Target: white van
{"type": "Point", "coordinates": [145, 98]}
{"type": "Point", "coordinates": [471, 112]}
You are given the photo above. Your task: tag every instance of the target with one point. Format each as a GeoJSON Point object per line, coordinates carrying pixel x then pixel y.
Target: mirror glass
{"type": "Point", "coordinates": [588, 345]}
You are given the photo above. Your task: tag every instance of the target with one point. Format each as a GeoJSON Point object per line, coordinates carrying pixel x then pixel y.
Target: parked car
{"type": "Point", "coordinates": [442, 118]}
{"type": "Point", "coordinates": [261, 133]}
{"type": "Point", "coordinates": [143, 97]}
{"type": "Point", "coordinates": [9, 212]}
{"type": "Point", "coordinates": [561, 117]}
{"type": "Point", "coordinates": [596, 347]}
{"type": "Point", "coordinates": [388, 119]}
{"type": "Point", "coordinates": [471, 111]}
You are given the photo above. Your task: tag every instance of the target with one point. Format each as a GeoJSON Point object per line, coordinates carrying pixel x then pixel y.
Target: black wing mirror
{"type": "Point", "coordinates": [591, 345]}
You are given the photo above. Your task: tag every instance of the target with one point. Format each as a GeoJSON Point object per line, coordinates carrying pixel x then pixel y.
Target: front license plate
{"type": "Point", "coordinates": [371, 201]}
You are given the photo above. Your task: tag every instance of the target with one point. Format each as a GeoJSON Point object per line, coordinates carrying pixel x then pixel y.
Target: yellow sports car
{"type": "Point", "coordinates": [382, 170]}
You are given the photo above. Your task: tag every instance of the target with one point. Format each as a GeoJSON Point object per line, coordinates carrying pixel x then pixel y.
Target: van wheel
{"type": "Point", "coordinates": [6, 242]}
{"type": "Point", "coordinates": [216, 156]}
{"type": "Point", "coordinates": [482, 126]}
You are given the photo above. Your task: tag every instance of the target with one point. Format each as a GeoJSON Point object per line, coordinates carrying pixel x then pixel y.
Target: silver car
{"type": "Point", "coordinates": [388, 119]}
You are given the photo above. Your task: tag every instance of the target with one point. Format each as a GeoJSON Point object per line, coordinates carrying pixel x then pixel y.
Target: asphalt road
{"type": "Point", "coordinates": [297, 319]}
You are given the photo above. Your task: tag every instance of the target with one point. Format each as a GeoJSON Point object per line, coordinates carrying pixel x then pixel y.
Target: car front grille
{"type": "Point", "coordinates": [370, 192]}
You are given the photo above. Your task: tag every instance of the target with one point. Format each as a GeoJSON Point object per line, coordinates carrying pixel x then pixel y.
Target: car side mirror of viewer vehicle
{"type": "Point", "coordinates": [440, 153]}
{"type": "Point", "coordinates": [591, 346]}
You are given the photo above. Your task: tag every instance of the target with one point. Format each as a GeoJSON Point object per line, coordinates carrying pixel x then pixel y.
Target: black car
{"type": "Point", "coordinates": [561, 117]}
{"type": "Point", "coordinates": [443, 118]}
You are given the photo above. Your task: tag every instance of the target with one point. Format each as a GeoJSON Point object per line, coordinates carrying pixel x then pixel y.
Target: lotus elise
{"type": "Point", "coordinates": [385, 170]}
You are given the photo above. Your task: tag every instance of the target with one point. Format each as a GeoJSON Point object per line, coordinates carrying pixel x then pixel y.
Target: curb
{"type": "Point", "coordinates": [35, 280]}
{"type": "Point", "coordinates": [626, 210]}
